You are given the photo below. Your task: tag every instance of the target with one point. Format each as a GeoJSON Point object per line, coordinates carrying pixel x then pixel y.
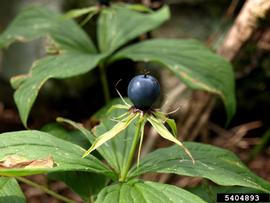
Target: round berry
{"type": "Point", "coordinates": [143, 91]}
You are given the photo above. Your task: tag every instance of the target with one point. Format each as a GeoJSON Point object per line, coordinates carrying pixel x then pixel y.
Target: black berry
{"type": "Point", "coordinates": [143, 91]}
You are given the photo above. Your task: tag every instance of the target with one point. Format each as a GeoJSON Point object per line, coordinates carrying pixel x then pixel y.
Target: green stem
{"type": "Point", "coordinates": [46, 190]}
{"type": "Point", "coordinates": [104, 83]}
{"type": "Point", "coordinates": [259, 147]}
{"type": "Point", "coordinates": [136, 137]}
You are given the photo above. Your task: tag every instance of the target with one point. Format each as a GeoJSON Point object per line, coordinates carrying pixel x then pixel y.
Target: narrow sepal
{"type": "Point", "coordinates": [141, 140]}
{"type": "Point", "coordinates": [120, 126]}
{"type": "Point", "coordinates": [163, 131]}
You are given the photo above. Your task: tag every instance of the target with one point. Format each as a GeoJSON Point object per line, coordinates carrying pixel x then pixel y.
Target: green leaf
{"type": "Point", "coordinates": [118, 25]}
{"type": "Point", "coordinates": [35, 145]}
{"type": "Point", "coordinates": [116, 150]}
{"type": "Point", "coordinates": [85, 184]}
{"type": "Point", "coordinates": [137, 191]}
{"type": "Point", "coordinates": [35, 22]}
{"type": "Point", "coordinates": [17, 80]}
{"type": "Point", "coordinates": [59, 67]}
{"type": "Point", "coordinates": [10, 191]}
{"type": "Point", "coordinates": [75, 48]}
{"type": "Point", "coordinates": [74, 136]}
{"type": "Point", "coordinates": [193, 63]}
{"type": "Point", "coordinates": [218, 165]}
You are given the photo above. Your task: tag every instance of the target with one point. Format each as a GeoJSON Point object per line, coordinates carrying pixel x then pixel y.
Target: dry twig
{"type": "Point", "coordinates": [245, 25]}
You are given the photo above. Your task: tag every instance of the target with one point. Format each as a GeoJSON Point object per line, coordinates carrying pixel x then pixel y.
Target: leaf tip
{"type": "Point", "coordinates": [88, 152]}
{"type": "Point", "coordinates": [189, 154]}
{"type": "Point", "coordinates": [85, 154]}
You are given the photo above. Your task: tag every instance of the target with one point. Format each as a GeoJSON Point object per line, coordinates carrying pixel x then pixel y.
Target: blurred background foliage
{"type": "Point", "coordinates": [207, 20]}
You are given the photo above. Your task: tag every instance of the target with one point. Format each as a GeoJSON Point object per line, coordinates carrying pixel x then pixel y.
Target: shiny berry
{"type": "Point", "coordinates": [143, 91]}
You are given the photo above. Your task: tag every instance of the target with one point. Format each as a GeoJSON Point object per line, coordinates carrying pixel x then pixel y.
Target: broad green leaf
{"type": "Point", "coordinates": [138, 191]}
{"type": "Point", "coordinates": [35, 22]}
{"type": "Point", "coordinates": [31, 23]}
{"type": "Point", "coordinates": [193, 63]}
{"type": "Point", "coordinates": [35, 145]}
{"type": "Point", "coordinates": [119, 127]}
{"type": "Point", "coordinates": [59, 67]}
{"type": "Point", "coordinates": [218, 165]}
{"type": "Point", "coordinates": [73, 136]}
{"type": "Point", "coordinates": [163, 132]}
{"type": "Point", "coordinates": [85, 184]}
{"type": "Point", "coordinates": [10, 191]}
{"type": "Point", "coordinates": [118, 25]}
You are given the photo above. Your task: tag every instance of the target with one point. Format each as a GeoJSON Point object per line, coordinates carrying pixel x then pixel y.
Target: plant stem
{"type": "Point", "coordinates": [46, 190]}
{"type": "Point", "coordinates": [136, 137]}
{"type": "Point", "coordinates": [104, 83]}
{"type": "Point", "coordinates": [258, 147]}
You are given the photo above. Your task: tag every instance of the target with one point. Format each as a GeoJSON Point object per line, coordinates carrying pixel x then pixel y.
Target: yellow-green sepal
{"type": "Point", "coordinates": [120, 126]}
{"type": "Point", "coordinates": [165, 133]}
